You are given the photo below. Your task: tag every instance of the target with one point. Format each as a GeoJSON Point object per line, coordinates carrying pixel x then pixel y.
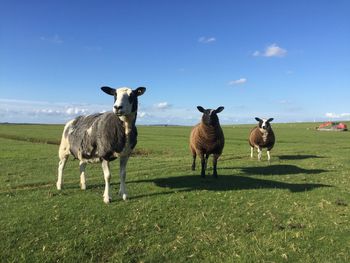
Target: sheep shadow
{"type": "Point", "coordinates": [299, 157]}
{"type": "Point", "coordinates": [230, 182]}
{"type": "Point", "coordinates": [281, 169]}
{"type": "Point", "coordinates": [244, 181]}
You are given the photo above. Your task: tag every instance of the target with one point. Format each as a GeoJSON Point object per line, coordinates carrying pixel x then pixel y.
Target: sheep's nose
{"type": "Point", "coordinates": [118, 109]}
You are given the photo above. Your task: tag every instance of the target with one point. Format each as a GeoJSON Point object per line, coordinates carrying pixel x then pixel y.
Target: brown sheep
{"type": "Point", "coordinates": [207, 138]}
{"type": "Point", "coordinates": [262, 136]}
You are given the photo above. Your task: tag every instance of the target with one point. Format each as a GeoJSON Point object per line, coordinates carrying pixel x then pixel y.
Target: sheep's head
{"type": "Point", "coordinates": [210, 116]}
{"type": "Point", "coordinates": [125, 99]}
{"type": "Point", "coordinates": [264, 125]}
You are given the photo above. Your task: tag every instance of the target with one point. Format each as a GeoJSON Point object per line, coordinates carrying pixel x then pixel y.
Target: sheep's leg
{"type": "Point", "coordinates": [194, 161]}
{"type": "Point", "coordinates": [203, 165]}
{"type": "Point", "coordinates": [259, 153]}
{"type": "Point", "coordinates": [215, 161]}
{"type": "Point", "coordinates": [268, 155]}
{"type": "Point", "coordinates": [122, 190]}
{"type": "Point", "coordinates": [206, 161]}
{"type": "Point", "coordinates": [82, 166]}
{"type": "Point", "coordinates": [107, 176]}
{"type": "Point", "coordinates": [251, 152]}
{"type": "Point", "coordinates": [63, 154]}
{"type": "Point", "coordinates": [61, 165]}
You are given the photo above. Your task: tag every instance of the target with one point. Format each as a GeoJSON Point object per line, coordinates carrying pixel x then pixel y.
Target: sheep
{"type": "Point", "coordinates": [207, 138]}
{"type": "Point", "coordinates": [262, 136]}
{"type": "Point", "coordinates": [102, 137]}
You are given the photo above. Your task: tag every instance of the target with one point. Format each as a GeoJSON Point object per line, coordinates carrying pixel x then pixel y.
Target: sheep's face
{"type": "Point", "coordinates": [264, 125]}
{"type": "Point", "coordinates": [125, 99]}
{"type": "Point", "coordinates": [210, 116]}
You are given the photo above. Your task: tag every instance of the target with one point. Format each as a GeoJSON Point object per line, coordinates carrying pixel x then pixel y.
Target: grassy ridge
{"type": "Point", "coordinates": [296, 209]}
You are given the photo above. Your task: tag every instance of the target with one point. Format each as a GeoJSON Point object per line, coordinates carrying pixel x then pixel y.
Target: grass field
{"type": "Point", "coordinates": [295, 209]}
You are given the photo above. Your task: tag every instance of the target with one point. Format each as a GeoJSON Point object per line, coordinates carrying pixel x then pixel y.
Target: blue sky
{"type": "Point", "coordinates": [284, 59]}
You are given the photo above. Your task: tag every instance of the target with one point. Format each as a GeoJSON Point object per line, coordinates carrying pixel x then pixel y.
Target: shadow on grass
{"type": "Point", "coordinates": [189, 183]}
{"type": "Point", "coordinates": [281, 169]}
{"type": "Point", "coordinates": [225, 183]}
{"type": "Point", "coordinates": [299, 157]}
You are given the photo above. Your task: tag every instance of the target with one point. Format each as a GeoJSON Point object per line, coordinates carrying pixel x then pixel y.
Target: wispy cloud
{"type": "Point", "coordinates": [44, 112]}
{"type": "Point", "coordinates": [256, 53]}
{"type": "Point", "coordinates": [55, 39]}
{"type": "Point", "coordinates": [22, 111]}
{"type": "Point", "coordinates": [172, 115]}
{"type": "Point", "coordinates": [333, 115]}
{"type": "Point", "coordinates": [143, 114]}
{"type": "Point", "coordinates": [272, 50]}
{"type": "Point", "coordinates": [206, 40]}
{"type": "Point", "coordinates": [162, 105]}
{"type": "Point", "coordinates": [237, 82]}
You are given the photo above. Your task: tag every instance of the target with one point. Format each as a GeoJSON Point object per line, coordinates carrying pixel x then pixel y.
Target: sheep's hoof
{"type": "Point", "coordinates": [107, 200]}
{"type": "Point", "coordinates": [83, 186]}
{"type": "Point", "coordinates": [59, 186]}
{"type": "Point", "coordinates": [123, 195]}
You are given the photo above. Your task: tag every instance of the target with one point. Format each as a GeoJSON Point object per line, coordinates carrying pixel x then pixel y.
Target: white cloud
{"type": "Point", "coordinates": [21, 111]}
{"type": "Point", "coordinates": [238, 81]}
{"type": "Point", "coordinates": [275, 51]}
{"type": "Point", "coordinates": [44, 112]}
{"type": "Point", "coordinates": [162, 105]}
{"type": "Point", "coordinates": [337, 115]}
{"type": "Point", "coordinates": [55, 39]}
{"type": "Point", "coordinates": [206, 40]}
{"type": "Point", "coordinates": [272, 50]}
{"type": "Point", "coordinates": [76, 111]}
{"type": "Point", "coordinates": [143, 114]}
{"type": "Point", "coordinates": [48, 112]}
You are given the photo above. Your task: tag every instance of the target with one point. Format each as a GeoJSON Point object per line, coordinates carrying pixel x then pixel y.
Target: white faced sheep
{"type": "Point", "coordinates": [102, 138]}
{"type": "Point", "coordinates": [262, 136]}
{"type": "Point", "coordinates": [207, 138]}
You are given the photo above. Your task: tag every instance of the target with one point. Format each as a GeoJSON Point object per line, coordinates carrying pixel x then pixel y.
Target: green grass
{"type": "Point", "coordinates": [295, 209]}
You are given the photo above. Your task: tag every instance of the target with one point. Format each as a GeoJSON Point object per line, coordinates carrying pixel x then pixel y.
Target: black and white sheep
{"type": "Point", "coordinates": [262, 136]}
{"type": "Point", "coordinates": [207, 138]}
{"type": "Point", "coordinates": [102, 138]}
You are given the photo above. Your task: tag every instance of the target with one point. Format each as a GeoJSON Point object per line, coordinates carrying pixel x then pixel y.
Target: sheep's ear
{"type": "Point", "coordinates": [200, 108]}
{"type": "Point", "coordinates": [108, 90]}
{"type": "Point", "coordinates": [139, 91]}
{"type": "Point", "coordinates": [270, 120]}
{"type": "Point", "coordinates": [220, 109]}
{"type": "Point", "coordinates": [258, 119]}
